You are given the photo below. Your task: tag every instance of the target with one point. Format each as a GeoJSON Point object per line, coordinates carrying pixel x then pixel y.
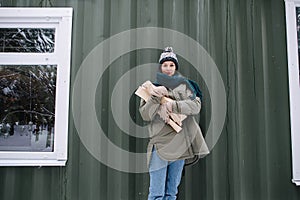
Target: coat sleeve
{"type": "Point", "coordinates": [187, 107]}
{"type": "Point", "coordinates": [149, 109]}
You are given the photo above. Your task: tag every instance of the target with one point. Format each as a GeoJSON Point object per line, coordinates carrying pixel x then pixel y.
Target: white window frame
{"type": "Point", "coordinates": [294, 85]}
{"type": "Point", "coordinates": [61, 20]}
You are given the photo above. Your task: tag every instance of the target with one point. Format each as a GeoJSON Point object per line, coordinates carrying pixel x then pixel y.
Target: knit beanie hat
{"type": "Point", "coordinates": [168, 55]}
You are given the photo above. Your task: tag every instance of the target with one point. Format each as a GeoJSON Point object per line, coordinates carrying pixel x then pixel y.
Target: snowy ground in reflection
{"type": "Point", "coordinates": [24, 139]}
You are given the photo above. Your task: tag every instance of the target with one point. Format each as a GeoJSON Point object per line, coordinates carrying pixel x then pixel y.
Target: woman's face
{"type": "Point", "coordinates": [168, 68]}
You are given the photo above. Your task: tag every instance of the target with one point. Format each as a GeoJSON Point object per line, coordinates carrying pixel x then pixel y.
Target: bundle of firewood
{"type": "Point", "coordinates": [175, 119]}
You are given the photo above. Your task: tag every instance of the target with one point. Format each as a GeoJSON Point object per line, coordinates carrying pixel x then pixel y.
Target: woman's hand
{"type": "Point", "coordinates": [169, 106]}
{"type": "Point", "coordinates": [159, 91]}
{"type": "Point", "coordinates": [164, 111]}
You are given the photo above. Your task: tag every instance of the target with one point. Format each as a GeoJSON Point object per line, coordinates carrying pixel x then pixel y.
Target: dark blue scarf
{"type": "Point", "coordinates": [175, 80]}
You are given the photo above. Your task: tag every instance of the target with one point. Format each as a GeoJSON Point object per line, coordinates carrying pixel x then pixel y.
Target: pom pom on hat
{"type": "Point", "coordinates": [168, 55]}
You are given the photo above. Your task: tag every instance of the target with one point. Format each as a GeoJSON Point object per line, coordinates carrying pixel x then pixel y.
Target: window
{"type": "Point", "coordinates": [293, 47]}
{"type": "Point", "coordinates": [35, 46]}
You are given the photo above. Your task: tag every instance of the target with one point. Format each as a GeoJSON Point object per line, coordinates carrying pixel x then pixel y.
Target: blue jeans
{"type": "Point", "coordinates": [165, 178]}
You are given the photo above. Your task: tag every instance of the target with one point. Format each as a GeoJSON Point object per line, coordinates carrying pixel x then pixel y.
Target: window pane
{"type": "Point", "coordinates": [27, 107]}
{"type": "Point", "coordinates": [31, 40]}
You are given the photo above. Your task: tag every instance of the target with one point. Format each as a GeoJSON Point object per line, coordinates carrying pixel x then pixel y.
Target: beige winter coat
{"type": "Point", "coordinates": [189, 143]}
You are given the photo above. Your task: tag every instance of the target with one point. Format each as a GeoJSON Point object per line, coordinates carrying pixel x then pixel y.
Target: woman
{"type": "Point", "coordinates": [168, 151]}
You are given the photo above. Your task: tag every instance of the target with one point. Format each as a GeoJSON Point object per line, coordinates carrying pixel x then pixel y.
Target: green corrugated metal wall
{"type": "Point", "coordinates": [247, 41]}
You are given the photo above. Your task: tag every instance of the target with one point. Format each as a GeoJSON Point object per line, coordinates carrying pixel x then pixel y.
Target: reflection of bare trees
{"type": "Point", "coordinates": [27, 93]}
{"type": "Point", "coordinates": [27, 112]}
{"type": "Point", "coordinates": [35, 40]}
